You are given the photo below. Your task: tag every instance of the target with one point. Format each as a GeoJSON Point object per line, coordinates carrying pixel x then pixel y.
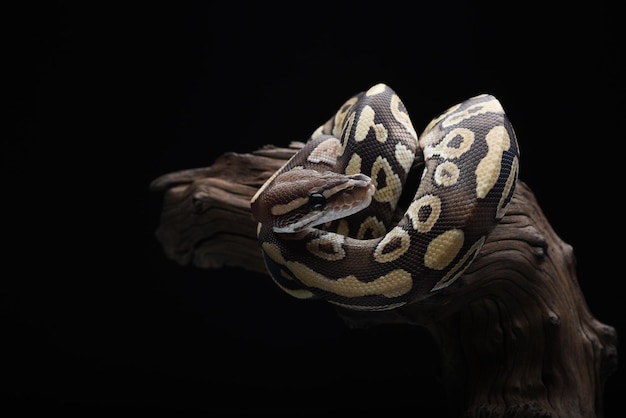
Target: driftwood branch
{"type": "Point", "coordinates": [516, 336]}
{"type": "Point", "coordinates": [206, 218]}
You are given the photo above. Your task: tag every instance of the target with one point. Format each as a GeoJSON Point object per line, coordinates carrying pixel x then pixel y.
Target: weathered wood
{"type": "Point", "coordinates": [516, 336]}
{"type": "Point", "coordinates": [206, 218]}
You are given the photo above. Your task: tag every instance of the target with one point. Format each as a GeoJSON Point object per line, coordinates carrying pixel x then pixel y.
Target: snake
{"type": "Point", "coordinates": [327, 222]}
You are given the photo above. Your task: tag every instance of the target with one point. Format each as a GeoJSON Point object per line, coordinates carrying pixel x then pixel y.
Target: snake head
{"type": "Point", "coordinates": [299, 198]}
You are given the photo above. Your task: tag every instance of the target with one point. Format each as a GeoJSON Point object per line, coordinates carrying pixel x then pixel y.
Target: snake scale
{"type": "Point", "coordinates": [326, 218]}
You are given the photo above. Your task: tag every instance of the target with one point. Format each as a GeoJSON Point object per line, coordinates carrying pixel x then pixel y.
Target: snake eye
{"type": "Point", "coordinates": [317, 201]}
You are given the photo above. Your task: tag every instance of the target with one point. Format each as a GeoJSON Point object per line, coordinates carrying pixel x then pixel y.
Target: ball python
{"type": "Point", "coordinates": [326, 218]}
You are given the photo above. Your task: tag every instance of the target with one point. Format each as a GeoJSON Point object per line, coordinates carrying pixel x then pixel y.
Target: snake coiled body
{"type": "Point", "coordinates": [326, 218]}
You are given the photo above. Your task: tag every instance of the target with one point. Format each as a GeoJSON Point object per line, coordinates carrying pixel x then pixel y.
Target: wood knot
{"type": "Point", "coordinates": [554, 320]}
{"type": "Point", "coordinates": [200, 202]}
{"type": "Point", "coordinates": [536, 240]}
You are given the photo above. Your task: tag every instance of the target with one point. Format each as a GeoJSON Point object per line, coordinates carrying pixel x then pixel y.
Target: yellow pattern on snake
{"type": "Point", "coordinates": [326, 218]}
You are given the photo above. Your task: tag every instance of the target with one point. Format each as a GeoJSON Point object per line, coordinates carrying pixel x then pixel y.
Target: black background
{"type": "Point", "coordinates": [104, 100]}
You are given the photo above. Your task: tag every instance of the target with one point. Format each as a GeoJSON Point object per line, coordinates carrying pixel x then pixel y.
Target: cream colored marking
{"type": "Point", "coordinates": [328, 193]}
{"type": "Point", "coordinates": [401, 116]}
{"type": "Point", "coordinates": [435, 211]}
{"type": "Point", "coordinates": [458, 270]}
{"type": "Point", "coordinates": [395, 283]}
{"type": "Point", "coordinates": [325, 152]}
{"type": "Point", "coordinates": [373, 225]}
{"type": "Point", "coordinates": [381, 256]}
{"type": "Point", "coordinates": [354, 165]}
{"type": "Point", "coordinates": [296, 293]}
{"type": "Point", "coordinates": [278, 210]}
{"type": "Point", "coordinates": [404, 156]}
{"type": "Point", "coordinates": [365, 122]}
{"type": "Point", "coordinates": [488, 169]}
{"type": "Point", "coordinates": [510, 183]}
{"type": "Point", "coordinates": [442, 249]}
{"type": "Point", "coordinates": [369, 307]}
{"type": "Point", "coordinates": [318, 132]}
{"type": "Point", "coordinates": [376, 89]}
{"type": "Point", "coordinates": [333, 241]}
{"type": "Point", "coordinates": [490, 106]}
{"type": "Point", "coordinates": [447, 174]}
{"type": "Point", "coordinates": [393, 187]}
{"type": "Point", "coordinates": [340, 116]}
{"type": "Point", "coordinates": [444, 149]}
